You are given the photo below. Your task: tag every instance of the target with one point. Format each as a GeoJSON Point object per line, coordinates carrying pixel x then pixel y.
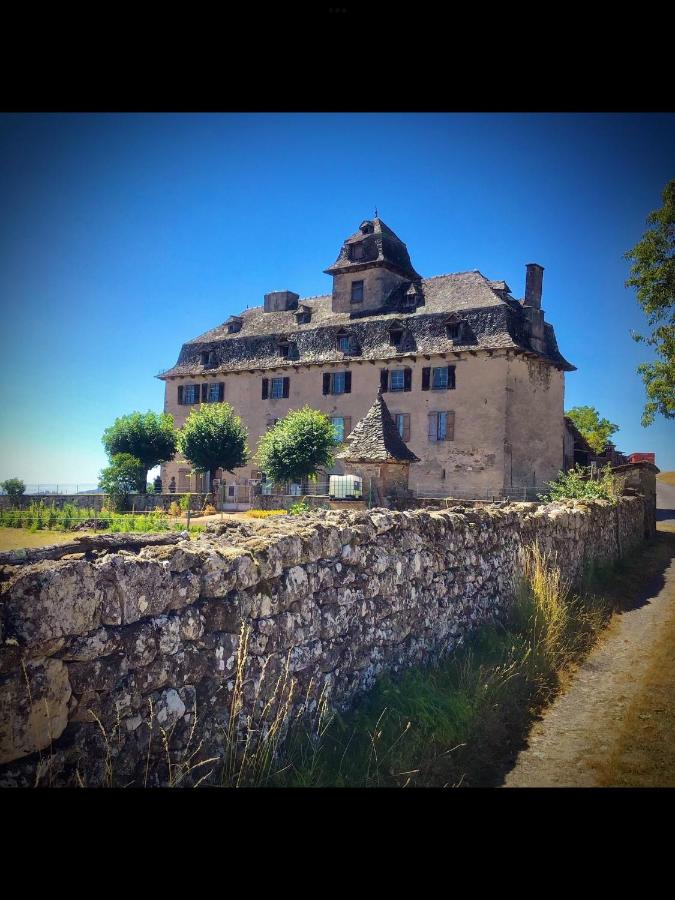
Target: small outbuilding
{"type": "Point", "coordinates": [376, 452]}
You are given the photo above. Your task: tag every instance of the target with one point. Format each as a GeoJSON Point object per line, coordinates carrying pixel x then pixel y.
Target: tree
{"type": "Point", "coordinates": [595, 430]}
{"type": "Point", "coordinates": [13, 487]}
{"type": "Point", "coordinates": [149, 437]}
{"type": "Point", "coordinates": [121, 477]}
{"type": "Point", "coordinates": [297, 445]}
{"type": "Point", "coordinates": [214, 437]}
{"type": "Point", "coordinates": [653, 276]}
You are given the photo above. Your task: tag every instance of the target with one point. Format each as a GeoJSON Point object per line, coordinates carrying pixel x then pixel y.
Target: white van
{"type": "Point", "coordinates": [345, 487]}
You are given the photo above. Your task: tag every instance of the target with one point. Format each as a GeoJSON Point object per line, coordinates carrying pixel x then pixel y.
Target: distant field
{"type": "Point", "coordinates": [14, 538]}
{"type": "Point", "coordinates": [668, 477]}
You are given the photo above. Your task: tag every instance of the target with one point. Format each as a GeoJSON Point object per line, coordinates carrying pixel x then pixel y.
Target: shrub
{"type": "Point", "coordinates": [297, 509]}
{"type": "Point", "coordinates": [120, 478]}
{"type": "Point", "coordinates": [174, 509]}
{"type": "Point", "coordinates": [576, 484]}
{"type": "Point", "coordinates": [209, 510]}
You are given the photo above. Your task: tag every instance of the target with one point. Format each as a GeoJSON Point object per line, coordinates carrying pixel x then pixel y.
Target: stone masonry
{"type": "Point", "coordinates": [136, 642]}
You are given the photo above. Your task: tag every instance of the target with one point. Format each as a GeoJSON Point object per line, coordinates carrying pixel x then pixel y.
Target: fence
{"type": "Point", "coordinates": [61, 488]}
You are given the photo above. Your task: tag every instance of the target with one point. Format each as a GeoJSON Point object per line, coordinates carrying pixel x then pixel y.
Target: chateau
{"type": "Point", "coordinates": [471, 376]}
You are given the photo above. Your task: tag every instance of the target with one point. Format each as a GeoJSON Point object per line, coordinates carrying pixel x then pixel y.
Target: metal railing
{"type": "Point", "coordinates": [60, 488]}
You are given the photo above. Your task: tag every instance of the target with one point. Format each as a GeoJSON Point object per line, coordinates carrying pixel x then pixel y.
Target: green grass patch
{"type": "Point", "coordinates": [462, 721]}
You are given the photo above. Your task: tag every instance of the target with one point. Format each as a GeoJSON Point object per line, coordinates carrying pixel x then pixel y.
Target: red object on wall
{"type": "Point", "coordinates": [642, 457]}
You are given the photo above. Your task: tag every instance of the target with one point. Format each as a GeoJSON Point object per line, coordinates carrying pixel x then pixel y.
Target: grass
{"type": "Point", "coordinates": [41, 517]}
{"type": "Point", "coordinates": [265, 513]}
{"type": "Point", "coordinates": [667, 477]}
{"type": "Point", "coordinates": [16, 538]}
{"type": "Point", "coordinates": [460, 722]}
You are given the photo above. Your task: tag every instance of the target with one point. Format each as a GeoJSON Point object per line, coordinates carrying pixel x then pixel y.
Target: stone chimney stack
{"type": "Point", "coordinates": [533, 281]}
{"type": "Point", "coordinates": [532, 306]}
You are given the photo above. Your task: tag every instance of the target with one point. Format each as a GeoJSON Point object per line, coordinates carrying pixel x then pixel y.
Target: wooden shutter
{"type": "Point", "coordinates": [286, 387]}
{"type": "Point", "coordinates": [433, 426]}
{"type": "Point", "coordinates": [221, 391]}
{"type": "Point", "coordinates": [384, 380]}
{"type": "Point", "coordinates": [348, 382]}
{"type": "Point", "coordinates": [180, 394]}
{"type": "Point", "coordinates": [407, 379]}
{"type": "Point", "coordinates": [450, 426]}
{"type": "Point", "coordinates": [426, 377]}
{"type": "Point", "coordinates": [326, 383]}
{"type": "Point", "coordinates": [406, 426]}
{"type": "Point", "coordinates": [451, 378]}
{"type": "Point", "coordinates": [265, 388]}
{"type": "Point", "coordinates": [205, 389]}
{"type": "Point", "coordinates": [348, 425]}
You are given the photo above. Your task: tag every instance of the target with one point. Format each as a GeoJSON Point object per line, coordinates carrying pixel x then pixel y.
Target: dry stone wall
{"type": "Point", "coordinates": [107, 654]}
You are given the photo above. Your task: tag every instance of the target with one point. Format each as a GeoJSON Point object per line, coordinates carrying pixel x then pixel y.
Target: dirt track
{"type": "Point", "coordinates": [584, 728]}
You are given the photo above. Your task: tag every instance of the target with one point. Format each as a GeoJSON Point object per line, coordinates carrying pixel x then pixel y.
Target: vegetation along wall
{"type": "Point", "coordinates": [120, 659]}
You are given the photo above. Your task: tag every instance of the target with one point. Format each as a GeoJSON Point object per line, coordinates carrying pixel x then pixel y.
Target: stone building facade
{"type": "Point", "coordinates": [472, 376]}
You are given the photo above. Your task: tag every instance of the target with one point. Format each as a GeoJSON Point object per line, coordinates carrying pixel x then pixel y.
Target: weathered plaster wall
{"type": "Point", "coordinates": [474, 462]}
{"type": "Point", "coordinates": [534, 422]}
{"type": "Point", "coordinates": [149, 638]}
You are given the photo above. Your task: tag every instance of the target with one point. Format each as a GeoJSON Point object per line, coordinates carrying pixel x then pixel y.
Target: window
{"type": "Point", "coordinates": [442, 426]}
{"type": "Point", "coordinates": [280, 387]}
{"type": "Point", "coordinates": [283, 350]}
{"type": "Point", "coordinates": [337, 383]}
{"type": "Point", "coordinates": [205, 357]}
{"type": "Point", "coordinates": [357, 292]}
{"type": "Point", "coordinates": [438, 379]}
{"type": "Point", "coordinates": [215, 392]}
{"type": "Point", "coordinates": [277, 391]}
{"type": "Point", "coordinates": [395, 336]}
{"type": "Point", "coordinates": [396, 381]}
{"type": "Point", "coordinates": [454, 331]}
{"type": "Point", "coordinates": [358, 251]}
{"type": "Point", "coordinates": [403, 425]}
{"type": "Point", "coordinates": [343, 343]}
{"type": "Point", "coordinates": [342, 426]}
{"type": "Point", "coordinates": [188, 394]}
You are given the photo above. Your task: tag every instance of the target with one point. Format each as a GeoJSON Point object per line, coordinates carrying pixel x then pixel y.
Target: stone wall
{"type": "Point", "coordinates": [142, 644]}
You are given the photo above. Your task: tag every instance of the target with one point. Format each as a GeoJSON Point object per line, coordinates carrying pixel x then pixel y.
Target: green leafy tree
{"type": "Point", "coordinates": [297, 446]}
{"type": "Point", "coordinates": [214, 437]}
{"type": "Point", "coordinates": [595, 430]}
{"type": "Point", "coordinates": [653, 275]}
{"type": "Point", "coordinates": [121, 477]}
{"type": "Point", "coordinates": [150, 437]}
{"type": "Point", "coordinates": [13, 487]}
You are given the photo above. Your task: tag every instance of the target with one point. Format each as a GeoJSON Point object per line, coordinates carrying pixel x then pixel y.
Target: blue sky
{"type": "Point", "coordinates": [125, 235]}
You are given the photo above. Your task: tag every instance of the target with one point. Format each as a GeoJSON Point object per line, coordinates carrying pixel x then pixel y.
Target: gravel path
{"type": "Point", "coordinates": [568, 746]}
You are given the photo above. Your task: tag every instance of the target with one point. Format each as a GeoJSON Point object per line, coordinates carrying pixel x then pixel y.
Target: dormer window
{"type": "Point", "coordinates": [204, 357]}
{"type": "Point", "coordinates": [343, 344]}
{"type": "Point", "coordinates": [454, 328]}
{"type": "Point", "coordinates": [366, 227]}
{"type": "Point", "coordinates": [284, 349]}
{"type": "Point", "coordinates": [357, 292]}
{"type": "Point", "coordinates": [358, 251]}
{"type": "Point", "coordinates": [304, 315]}
{"type": "Point", "coordinates": [395, 335]}
{"type": "Point", "coordinates": [234, 325]}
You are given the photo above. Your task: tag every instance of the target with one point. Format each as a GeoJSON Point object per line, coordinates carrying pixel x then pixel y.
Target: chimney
{"type": "Point", "coordinates": [280, 301]}
{"type": "Point", "coordinates": [533, 279]}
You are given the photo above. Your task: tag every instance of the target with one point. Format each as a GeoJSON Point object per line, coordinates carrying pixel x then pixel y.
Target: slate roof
{"type": "Point", "coordinates": [376, 438]}
{"type": "Point", "coordinates": [379, 244]}
{"type": "Point", "coordinates": [493, 320]}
